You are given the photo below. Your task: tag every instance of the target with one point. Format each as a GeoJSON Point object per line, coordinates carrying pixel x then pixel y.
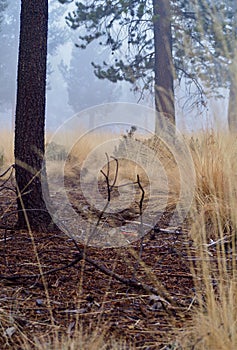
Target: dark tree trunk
{"type": "Point", "coordinates": [164, 69]}
{"type": "Point", "coordinates": [30, 114]}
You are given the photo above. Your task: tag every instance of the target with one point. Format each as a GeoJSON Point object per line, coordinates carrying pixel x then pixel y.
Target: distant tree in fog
{"type": "Point", "coordinates": [8, 59]}
{"type": "Point", "coordinates": [84, 89]}
{"type": "Point", "coordinates": [3, 6]}
{"type": "Point", "coordinates": [9, 38]}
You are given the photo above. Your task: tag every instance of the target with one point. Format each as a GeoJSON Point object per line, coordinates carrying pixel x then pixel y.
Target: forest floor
{"type": "Point", "coordinates": [76, 291]}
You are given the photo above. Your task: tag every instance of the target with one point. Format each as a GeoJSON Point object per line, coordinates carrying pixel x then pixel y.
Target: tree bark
{"type": "Point", "coordinates": [164, 69]}
{"type": "Point", "coordinates": [232, 105]}
{"type": "Point", "coordinates": [30, 114]}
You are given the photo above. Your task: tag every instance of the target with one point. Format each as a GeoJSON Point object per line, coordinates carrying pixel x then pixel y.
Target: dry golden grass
{"type": "Point", "coordinates": [214, 156]}
{"type": "Point", "coordinates": [215, 317]}
{"type": "Point", "coordinates": [214, 321]}
{"type": "Point", "coordinates": [6, 147]}
{"type": "Point", "coordinates": [77, 340]}
{"type": "Point", "coordinates": [149, 159]}
{"type": "Point", "coordinates": [214, 216]}
{"type": "Point", "coordinates": [92, 149]}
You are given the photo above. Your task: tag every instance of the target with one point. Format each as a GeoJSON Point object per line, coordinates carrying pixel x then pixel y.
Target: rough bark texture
{"type": "Point", "coordinates": [164, 69]}
{"type": "Point", "coordinates": [30, 113]}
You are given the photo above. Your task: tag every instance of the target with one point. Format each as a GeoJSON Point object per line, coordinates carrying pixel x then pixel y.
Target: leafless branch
{"type": "Point", "coordinates": [11, 167]}
{"type": "Point", "coordinates": [109, 189]}
{"type": "Point", "coordinates": [81, 253]}
{"type": "Point", "coordinates": [141, 228]}
{"type": "Point", "coordinates": [18, 276]}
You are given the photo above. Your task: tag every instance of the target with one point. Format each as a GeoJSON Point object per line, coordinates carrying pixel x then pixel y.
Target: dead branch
{"type": "Point", "coordinates": [109, 189]}
{"type": "Point", "coordinates": [130, 282]}
{"type": "Point", "coordinates": [141, 228]}
{"type": "Point", "coordinates": [107, 179]}
{"type": "Point", "coordinates": [176, 231]}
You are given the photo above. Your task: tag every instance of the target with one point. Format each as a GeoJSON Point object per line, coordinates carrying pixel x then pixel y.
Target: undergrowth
{"type": "Point", "coordinates": [213, 223]}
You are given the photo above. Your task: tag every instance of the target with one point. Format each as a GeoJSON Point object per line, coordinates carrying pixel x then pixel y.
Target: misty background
{"type": "Point", "coordinates": [71, 83]}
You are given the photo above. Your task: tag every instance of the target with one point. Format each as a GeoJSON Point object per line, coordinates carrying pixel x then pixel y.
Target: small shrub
{"type": "Point", "coordinates": [56, 152]}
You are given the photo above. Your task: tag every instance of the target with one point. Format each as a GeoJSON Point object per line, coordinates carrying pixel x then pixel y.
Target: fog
{"type": "Point", "coordinates": [71, 83]}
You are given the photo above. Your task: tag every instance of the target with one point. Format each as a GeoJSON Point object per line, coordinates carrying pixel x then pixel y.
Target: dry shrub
{"type": "Point", "coordinates": [135, 155]}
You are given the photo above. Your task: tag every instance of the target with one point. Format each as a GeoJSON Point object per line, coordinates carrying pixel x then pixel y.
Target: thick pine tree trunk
{"type": "Point", "coordinates": [164, 69]}
{"type": "Point", "coordinates": [30, 113]}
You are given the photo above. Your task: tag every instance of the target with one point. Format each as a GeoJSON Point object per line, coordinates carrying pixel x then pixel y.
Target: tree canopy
{"type": "Point", "coordinates": [127, 27]}
{"type": "Point", "coordinates": [203, 42]}
{"type": "Point", "coordinates": [216, 49]}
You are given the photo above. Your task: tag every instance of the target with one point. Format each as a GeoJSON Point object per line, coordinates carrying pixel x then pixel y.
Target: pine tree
{"type": "Point", "coordinates": [128, 27]}
{"type": "Point", "coordinates": [30, 115]}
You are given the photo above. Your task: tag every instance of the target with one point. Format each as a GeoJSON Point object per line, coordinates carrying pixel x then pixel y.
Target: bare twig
{"type": "Point", "coordinates": [219, 241]}
{"type": "Point", "coordinates": [2, 185]}
{"type": "Point", "coordinates": [81, 255]}
{"type": "Point", "coordinates": [39, 275]}
{"type": "Point", "coordinates": [11, 167]}
{"type": "Point", "coordinates": [177, 231]}
{"type": "Point", "coordinates": [7, 188]}
{"type": "Point", "coordinates": [109, 189]}
{"type": "Point", "coordinates": [7, 228]}
{"type": "Point", "coordinates": [141, 228]}
{"type": "Point", "coordinates": [116, 172]}
{"type": "Point", "coordinates": [107, 177]}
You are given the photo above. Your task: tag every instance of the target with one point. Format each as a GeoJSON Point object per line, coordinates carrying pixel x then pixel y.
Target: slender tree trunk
{"type": "Point", "coordinates": [232, 106]}
{"type": "Point", "coordinates": [30, 114]}
{"type": "Point", "coordinates": [164, 69]}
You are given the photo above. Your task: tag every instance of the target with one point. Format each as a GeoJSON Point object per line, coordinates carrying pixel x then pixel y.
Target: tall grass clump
{"type": "Point", "coordinates": [214, 325]}
{"type": "Point", "coordinates": [214, 156]}
{"type": "Point", "coordinates": [214, 319]}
